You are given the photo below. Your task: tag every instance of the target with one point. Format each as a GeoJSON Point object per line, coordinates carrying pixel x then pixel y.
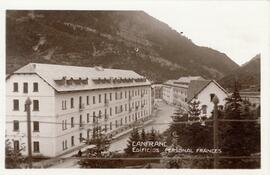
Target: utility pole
{"type": "Point", "coordinates": [29, 137]}
{"type": "Point", "coordinates": [215, 100]}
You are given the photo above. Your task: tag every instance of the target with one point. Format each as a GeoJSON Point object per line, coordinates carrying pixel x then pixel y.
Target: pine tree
{"type": "Point", "coordinates": [134, 137]}
{"type": "Point", "coordinates": [238, 138]}
{"type": "Point", "coordinates": [143, 135]}
{"type": "Point", "coordinates": [194, 110]}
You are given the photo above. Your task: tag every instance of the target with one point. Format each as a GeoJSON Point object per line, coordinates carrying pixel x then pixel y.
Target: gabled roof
{"type": "Point", "coordinates": [53, 74]}
{"type": "Point", "coordinates": [196, 86]}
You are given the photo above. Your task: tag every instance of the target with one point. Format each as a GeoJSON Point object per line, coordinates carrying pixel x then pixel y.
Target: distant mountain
{"type": "Point", "coordinates": [247, 76]}
{"type": "Point", "coordinates": [114, 39]}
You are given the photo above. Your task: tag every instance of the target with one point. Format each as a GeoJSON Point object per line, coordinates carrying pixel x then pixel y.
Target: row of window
{"type": "Point", "coordinates": [106, 127]}
{"type": "Point", "coordinates": [25, 87]}
{"type": "Point", "coordinates": [16, 146]}
{"type": "Point", "coordinates": [16, 126]}
{"type": "Point", "coordinates": [16, 105]}
{"type": "Point", "coordinates": [81, 105]}
{"type": "Point", "coordinates": [106, 98]}
{"type": "Point", "coordinates": [96, 118]}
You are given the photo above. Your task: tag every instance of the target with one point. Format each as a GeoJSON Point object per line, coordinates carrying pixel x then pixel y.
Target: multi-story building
{"type": "Point", "coordinates": [69, 103]}
{"type": "Point", "coordinates": [175, 91]}
{"type": "Point", "coordinates": [157, 91]}
{"type": "Point", "coordinates": [182, 91]}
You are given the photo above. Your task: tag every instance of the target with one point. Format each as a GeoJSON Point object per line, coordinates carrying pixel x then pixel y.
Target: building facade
{"type": "Point", "coordinates": [70, 103]}
{"type": "Point", "coordinates": [203, 91]}
{"type": "Point", "coordinates": [157, 91]}
{"type": "Point", "coordinates": [175, 91]}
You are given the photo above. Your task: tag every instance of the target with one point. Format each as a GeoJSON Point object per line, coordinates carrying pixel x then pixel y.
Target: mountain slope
{"type": "Point", "coordinates": [247, 76]}
{"type": "Point", "coordinates": [115, 39]}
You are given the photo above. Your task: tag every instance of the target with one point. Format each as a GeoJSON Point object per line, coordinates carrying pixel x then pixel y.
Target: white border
{"type": "Point", "coordinates": [131, 5]}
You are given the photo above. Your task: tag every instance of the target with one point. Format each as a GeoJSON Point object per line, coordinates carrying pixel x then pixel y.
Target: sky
{"type": "Point", "coordinates": [235, 28]}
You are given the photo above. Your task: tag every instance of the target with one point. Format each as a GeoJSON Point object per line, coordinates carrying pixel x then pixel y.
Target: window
{"type": "Point", "coordinates": [16, 125]}
{"type": "Point", "coordinates": [80, 120]}
{"type": "Point", "coordinates": [105, 128]}
{"type": "Point", "coordinates": [121, 95]}
{"type": "Point", "coordinates": [105, 114]}
{"type": "Point", "coordinates": [110, 125]}
{"type": "Point", "coordinates": [110, 96]}
{"type": "Point", "coordinates": [121, 108]}
{"type": "Point", "coordinates": [71, 103]}
{"type": "Point", "coordinates": [87, 100]}
{"type": "Point", "coordinates": [72, 140]}
{"type": "Point", "coordinates": [204, 109]}
{"type": "Point", "coordinates": [94, 100]}
{"type": "Point", "coordinates": [110, 111]}
{"type": "Point", "coordinates": [35, 105]}
{"type": "Point", "coordinates": [94, 117]}
{"type": "Point", "coordinates": [116, 124]}
{"type": "Point", "coordinates": [88, 133]}
{"type": "Point", "coordinates": [72, 122]}
{"type": "Point", "coordinates": [99, 98]}
{"type": "Point", "coordinates": [125, 94]}
{"type": "Point", "coordinates": [25, 87]}
{"type": "Point", "coordinates": [121, 122]}
{"type": "Point", "coordinates": [115, 95]}
{"type": "Point", "coordinates": [36, 126]}
{"type": "Point", "coordinates": [99, 114]}
{"type": "Point", "coordinates": [35, 87]}
{"type": "Point", "coordinates": [36, 147]}
{"type": "Point", "coordinates": [66, 144]}
{"type": "Point", "coordinates": [81, 138]}
{"type": "Point", "coordinates": [63, 145]}
{"type": "Point", "coordinates": [115, 109]}
{"type": "Point", "coordinates": [64, 124]}
{"type": "Point", "coordinates": [80, 103]}
{"type": "Point", "coordinates": [87, 118]}
{"type": "Point", "coordinates": [16, 105]}
{"type": "Point", "coordinates": [105, 98]}
{"type": "Point", "coordinates": [211, 96]}
{"type": "Point", "coordinates": [16, 145]}
{"type": "Point", "coordinates": [64, 104]}
{"type": "Point", "coordinates": [15, 87]}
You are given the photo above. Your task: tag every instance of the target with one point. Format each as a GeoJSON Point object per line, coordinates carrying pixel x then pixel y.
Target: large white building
{"type": "Point", "coordinates": [68, 102]}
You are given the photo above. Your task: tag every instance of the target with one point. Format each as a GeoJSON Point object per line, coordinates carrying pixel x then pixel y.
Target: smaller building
{"type": "Point", "coordinates": [204, 91]}
{"type": "Point", "coordinates": [253, 97]}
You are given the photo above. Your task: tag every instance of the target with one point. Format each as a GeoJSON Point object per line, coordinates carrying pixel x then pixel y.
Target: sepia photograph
{"type": "Point", "coordinates": [134, 89]}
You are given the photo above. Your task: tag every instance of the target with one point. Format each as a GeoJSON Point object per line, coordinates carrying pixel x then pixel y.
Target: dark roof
{"type": "Point", "coordinates": [195, 87]}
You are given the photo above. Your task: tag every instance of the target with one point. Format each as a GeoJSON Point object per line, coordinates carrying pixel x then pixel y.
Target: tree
{"type": "Point", "coordinates": [13, 157]}
{"type": "Point", "coordinates": [238, 138]}
{"type": "Point", "coordinates": [189, 135]}
{"type": "Point", "coordinates": [134, 137]}
{"type": "Point", "coordinates": [143, 135]}
{"type": "Point", "coordinates": [194, 110]}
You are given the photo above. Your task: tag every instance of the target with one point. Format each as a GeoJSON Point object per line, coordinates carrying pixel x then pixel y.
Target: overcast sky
{"type": "Point", "coordinates": [234, 28]}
